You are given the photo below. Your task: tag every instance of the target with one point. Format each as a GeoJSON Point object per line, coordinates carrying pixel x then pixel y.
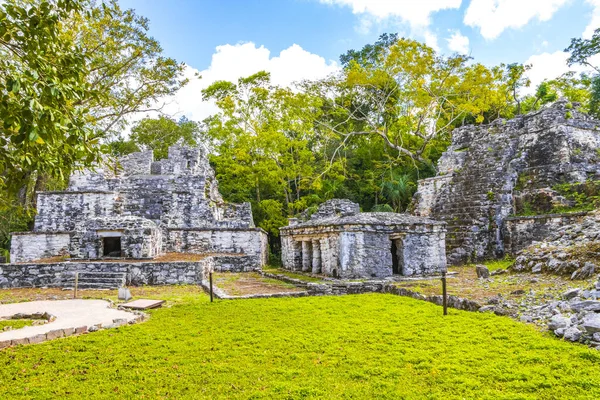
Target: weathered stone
{"type": "Point", "coordinates": [349, 244]}
{"type": "Point", "coordinates": [569, 294]}
{"type": "Point", "coordinates": [482, 271]}
{"type": "Point", "coordinates": [137, 208]}
{"type": "Point", "coordinates": [16, 342]}
{"type": "Point", "coordinates": [591, 323]}
{"type": "Point", "coordinates": [587, 305]}
{"type": "Point", "coordinates": [124, 294]}
{"type": "Point", "coordinates": [55, 334]}
{"type": "Point", "coordinates": [80, 330]}
{"type": "Point", "coordinates": [37, 339]}
{"type": "Point", "coordinates": [537, 268]}
{"type": "Point", "coordinates": [572, 334]}
{"type": "Point", "coordinates": [558, 321]}
{"type": "Point", "coordinates": [491, 171]}
{"type": "Point", "coordinates": [560, 332]}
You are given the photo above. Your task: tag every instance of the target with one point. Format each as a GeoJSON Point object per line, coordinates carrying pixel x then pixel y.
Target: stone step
{"type": "Point", "coordinates": [95, 280]}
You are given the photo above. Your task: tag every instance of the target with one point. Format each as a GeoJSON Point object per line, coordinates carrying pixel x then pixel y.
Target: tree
{"type": "Point", "coordinates": [43, 76]}
{"type": "Point", "coordinates": [263, 135]}
{"type": "Point", "coordinates": [126, 68]}
{"type": "Point", "coordinates": [405, 94]}
{"type": "Point", "coordinates": [582, 51]}
{"type": "Point", "coordinates": [160, 133]}
{"type": "Point", "coordinates": [515, 82]}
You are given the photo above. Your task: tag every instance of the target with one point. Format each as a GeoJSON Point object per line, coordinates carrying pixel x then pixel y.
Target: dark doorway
{"type": "Point", "coordinates": [395, 263]}
{"type": "Point", "coordinates": [112, 246]}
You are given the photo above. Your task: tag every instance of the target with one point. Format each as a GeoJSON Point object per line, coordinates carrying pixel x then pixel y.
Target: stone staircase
{"type": "Point", "coordinates": [478, 197]}
{"type": "Point", "coordinates": [95, 280]}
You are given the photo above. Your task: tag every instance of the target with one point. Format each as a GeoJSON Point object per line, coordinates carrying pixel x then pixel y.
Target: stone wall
{"type": "Point", "coordinates": [520, 232]}
{"type": "Point", "coordinates": [422, 254]}
{"type": "Point", "coordinates": [151, 273]}
{"type": "Point", "coordinates": [251, 242]}
{"type": "Point", "coordinates": [31, 246]}
{"type": "Point", "coordinates": [429, 190]}
{"type": "Point", "coordinates": [487, 166]}
{"type": "Point", "coordinates": [62, 211]}
{"type": "Point", "coordinates": [140, 238]}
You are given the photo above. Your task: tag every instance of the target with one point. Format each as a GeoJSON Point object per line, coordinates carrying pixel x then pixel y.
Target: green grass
{"type": "Point", "coordinates": [290, 274]}
{"type": "Point", "coordinates": [498, 264]}
{"type": "Point", "coordinates": [358, 347]}
{"type": "Point", "coordinates": [15, 323]}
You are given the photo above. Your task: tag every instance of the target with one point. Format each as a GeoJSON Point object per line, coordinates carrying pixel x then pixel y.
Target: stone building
{"type": "Point", "coordinates": [138, 208]}
{"type": "Point", "coordinates": [340, 241]}
{"type": "Point", "coordinates": [493, 175]}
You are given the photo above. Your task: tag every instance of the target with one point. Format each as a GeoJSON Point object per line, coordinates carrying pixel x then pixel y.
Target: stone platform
{"type": "Point", "coordinates": [70, 317]}
{"type": "Point", "coordinates": [138, 272]}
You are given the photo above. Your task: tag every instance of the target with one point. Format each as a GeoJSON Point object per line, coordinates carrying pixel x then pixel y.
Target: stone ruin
{"type": "Point", "coordinates": [340, 241]}
{"type": "Point", "coordinates": [491, 172]}
{"type": "Point", "coordinates": [138, 208]}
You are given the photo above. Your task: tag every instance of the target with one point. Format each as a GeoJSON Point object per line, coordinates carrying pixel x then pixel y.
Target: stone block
{"type": "Point", "coordinates": [55, 334]}
{"type": "Point", "coordinates": [37, 339]}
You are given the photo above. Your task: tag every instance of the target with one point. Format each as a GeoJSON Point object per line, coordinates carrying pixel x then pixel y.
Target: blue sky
{"type": "Point", "coordinates": [226, 39]}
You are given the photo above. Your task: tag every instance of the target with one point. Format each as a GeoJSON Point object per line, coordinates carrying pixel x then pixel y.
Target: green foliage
{"type": "Point", "coordinates": [382, 208]}
{"type": "Point", "coordinates": [263, 136]}
{"type": "Point", "coordinates": [14, 323]}
{"type": "Point", "coordinates": [121, 147]}
{"type": "Point", "coordinates": [407, 96]}
{"type": "Point", "coordinates": [127, 71]}
{"type": "Point", "coordinates": [43, 75]}
{"type": "Point", "coordinates": [398, 191]}
{"type": "Point", "coordinates": [363, 346]}
{"type": "Point", "coordinates": [160, 133]}
{"type": "Point", "coordinates": [585, 196]}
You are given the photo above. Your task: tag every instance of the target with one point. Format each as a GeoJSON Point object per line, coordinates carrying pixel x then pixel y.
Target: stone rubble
{"type": "Point", "coordinates": [573, 316]}
{"type": "Point", "coordinates": [572, 250]}
{"type": "Point", "coordinates": [491, 171]}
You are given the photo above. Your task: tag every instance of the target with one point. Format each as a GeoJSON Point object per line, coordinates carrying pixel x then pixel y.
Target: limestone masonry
{"type": "Point", "coordinates": [340, 241]}
{"type": "Point", "coordinates": [138, 208]}
{"type": "Point", "coordinates": [493, 171]}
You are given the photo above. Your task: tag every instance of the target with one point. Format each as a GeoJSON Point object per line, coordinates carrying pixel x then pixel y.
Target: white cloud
{"type": "Point", "coordinates": [431, 40]}
{"type": "Point", "coordinates": [551, 65]}
{"type": "Point", "coordinates": [231, 62]}
{"type": "Point", "coordinates": [492, 17]}
{"type": "Point", "coordinates": [458, 43]}
{"type": "Point", "coordinates": [416, 12]}
{"type": "Point", "coordinates": [595, 20]}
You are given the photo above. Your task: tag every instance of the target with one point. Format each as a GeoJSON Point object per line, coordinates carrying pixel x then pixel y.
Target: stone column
{"type": "Point", "coordinates": [297, 256]}
{"type": "Point", "coordinates": [306, 255]}
{"type": "Point", "coordinates": [316, 256]}
{"type": "Point", "coordinates": [325, 257]}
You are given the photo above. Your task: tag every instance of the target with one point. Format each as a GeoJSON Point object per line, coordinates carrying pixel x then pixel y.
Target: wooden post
{"type": "Point", "coordinates": [444, 293]}
{"type": "Point", "coordinates": [76, 284]}
{"type": "Point", "coordinates": [211, 286]}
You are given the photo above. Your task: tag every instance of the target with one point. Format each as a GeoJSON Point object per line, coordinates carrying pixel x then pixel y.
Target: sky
{"type": "Point", "coordinates": [303, 39]}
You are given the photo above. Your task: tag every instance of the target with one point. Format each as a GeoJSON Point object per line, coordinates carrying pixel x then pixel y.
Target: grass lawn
{"type": "Point", "coordinates": [15, 323]}
{"type": "Point", "coordinates": [248, 283]}
{"type": "Point", "coordinates": [360, 347]}
{"type": "Point", "coordinates": [291, 274]}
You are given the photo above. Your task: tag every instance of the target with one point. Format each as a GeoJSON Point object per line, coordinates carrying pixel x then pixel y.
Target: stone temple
{"type": "Point", "coordinates": [138, 208]}
{"type": "Point", "coordinates": [493, 176]}
{"type": "Point", "coordinates": [340, 241]}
